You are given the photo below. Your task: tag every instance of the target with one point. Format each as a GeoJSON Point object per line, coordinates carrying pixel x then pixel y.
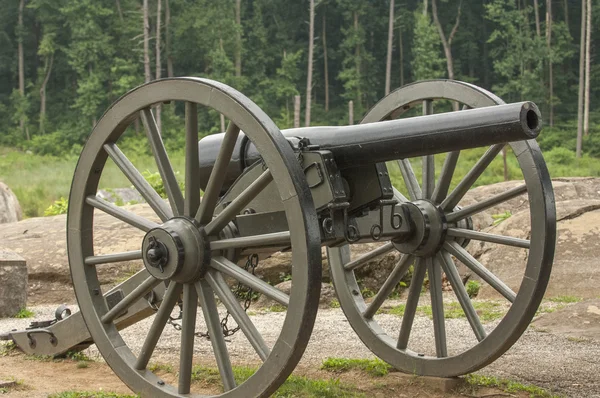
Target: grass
{"type": "Point", "coordinates": [508, 386]}
{"type": "Point", "coordinates": [89, 394]}
{"type": "Point", "coordinates": [334, 304]}
{"type": "Point", "coordinates": [295, 386]}
{"type": "Point", "coordinates": [487, 310]}
{"type": "Point", "coordinates": [7, 348]}
{"type": "Point", "coordinates": [24, 313]}
{"type": "Point", "coordinates": [161, 367]}
{"type": "Point", "coordinates": [565, 299]}
{"type": "Point", "coordinates": [18, 385]}
{"type": "Point", "coordinates": [374, 367]}
{"type": "Point", "coordinates": [39, 181]}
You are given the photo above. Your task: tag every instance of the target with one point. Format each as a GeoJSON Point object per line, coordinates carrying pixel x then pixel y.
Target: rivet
{"type": "Point", "coordinates": [160, 383]}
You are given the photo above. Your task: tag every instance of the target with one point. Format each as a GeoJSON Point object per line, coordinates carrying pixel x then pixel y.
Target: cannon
{"type": "Point", "coordinates": [297, 191]}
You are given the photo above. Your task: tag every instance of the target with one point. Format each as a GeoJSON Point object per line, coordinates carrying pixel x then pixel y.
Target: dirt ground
{"type": "Point", "coordinates": [39, 378]}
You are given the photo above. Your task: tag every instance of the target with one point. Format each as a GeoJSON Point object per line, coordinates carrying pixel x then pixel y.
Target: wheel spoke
{"type": "Point", "coordinates": [211, 316]}
{"type": "Point", "coordinates": [192, 161]}
{"type": "Point", "coordinates": [487, 237]}
{"type": "Point", "coordinates": [468, 180]}
{"type": "Point", "coordinates": [414, 190]}
{"type": "Point", "coordinates": [437, 307]}
{"type": "Point", "coordinates": [389, 285]}
{"type": "Point", "coordinates": [365, 258]}
{"type": "Point", "coordinates": [445, 261]}
{"type": "Point", "coordinates": [188, 330]}
{"type": "Point", "coordinates": [414, 292]}
{"type": "Point", "coordinates": [158, 325]}
{"type": "Point", "coordinates": [218, 174]}
{"type": "Point", "coordinates": [136, 294]}
{"type": "Point", "coordinates": [120, 213]}
{"type": "Point", "coordinates": [114, 258]}
{"type": "Point", "coordinates": [157, 204]}
{"type": "Point", "coordinates": [465, 257]}
{"type": "Point", "coordinates": [162, 161]}
{"type": "Point", "coordinates": [218, 284]}
{"type": "Point", "coordinates": [441, 189]}
{"type": "Point", "coordinates": [486, 204]}
{"type": "Point", "coordinates": [225, 266]}
{"type": "Point", "coordinates": [273, 239]}
{"type": "Point", "coordinates": [239, 203]}
{"type": "Point", "coordinates": [429, 160]}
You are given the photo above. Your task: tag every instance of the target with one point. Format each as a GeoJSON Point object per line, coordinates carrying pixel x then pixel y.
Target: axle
{"type": "Point", "coordinates": [371, 143]}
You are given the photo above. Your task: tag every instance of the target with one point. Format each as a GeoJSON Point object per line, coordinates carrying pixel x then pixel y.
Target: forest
{"type": "Point", "coordinates": [63, 62]}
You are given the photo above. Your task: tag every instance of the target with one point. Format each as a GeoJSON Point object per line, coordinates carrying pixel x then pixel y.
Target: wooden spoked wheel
{"type": "Point", "coordinates": [177, 249]}
{"type": "Point", "coordinates": [400, 342]}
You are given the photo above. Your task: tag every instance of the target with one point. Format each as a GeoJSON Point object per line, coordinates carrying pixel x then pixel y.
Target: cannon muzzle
{"type": "Point", "coordinates": [371, 143]}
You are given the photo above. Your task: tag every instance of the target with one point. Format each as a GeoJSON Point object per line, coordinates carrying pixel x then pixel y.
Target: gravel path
{"type": "Point", "coordinates": [567, 367]}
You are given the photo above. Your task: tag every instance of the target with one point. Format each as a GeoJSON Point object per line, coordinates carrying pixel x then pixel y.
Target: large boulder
{"type": "Point", "coordinates": [10, 210]}
{"type": "Point", "coordinates": [42, 242]}
{"type": "Point", "coordinates": [13, 283]}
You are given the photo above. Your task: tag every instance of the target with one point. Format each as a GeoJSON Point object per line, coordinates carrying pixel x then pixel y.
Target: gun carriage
{"type": "Point", "coordinates": [297, 191]}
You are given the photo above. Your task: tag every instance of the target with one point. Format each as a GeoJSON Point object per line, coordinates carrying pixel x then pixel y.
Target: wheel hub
{"type": "Point", "coordinates": [429, 227]}
{"type": "Point", "coordinates": [178, 250]}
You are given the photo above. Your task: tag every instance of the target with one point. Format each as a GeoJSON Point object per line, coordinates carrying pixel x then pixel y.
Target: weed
{"type": "Point", "coordinates": [374, 367]}
{"type": "Point", "coordinates": [161, 367]}
{"type": "Point", "coordinates": [334, 304]}
{"type": "Point", "coordinates": [277, 308]}
{"type": "Point", "coordinates": [565, 299]}
{"type": "Point", "coordinates": [82, 365]}
{"type": "Point", "coordinates": [78, 356]}
{"type": "Point", "coordinates": [60, 206]}
{"type": "Point", "coordinates": [498, 218]}
{"type": "Point", "coordinates": [7, 348]}
{"type": "Point", "coordinates": [473, 288]}
{"type": "Point", "coordinates": [90, 394]}
{"type": "Point", "coordinates": [508, 385]}
{"type": "Point", "coordinates": [24, 313]}
{"type": "Point", "coordinates": [487, 310]}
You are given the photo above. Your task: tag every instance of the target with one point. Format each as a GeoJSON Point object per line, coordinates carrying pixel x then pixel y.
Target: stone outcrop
{"type": "Point", "coordinates": [13, 283]}
{"type": "Point", "coordinates": [10, 210]}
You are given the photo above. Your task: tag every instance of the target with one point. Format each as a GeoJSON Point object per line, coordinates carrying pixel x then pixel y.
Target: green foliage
{"type": "Point", "coordinates": [487, 310]}
{"type": "Point", "coordinates": [294, 386]}
{"type": "Point", "coordinates": [427, 58]}
{"type": "Point", "coordinates": [374, 367]}
{"type": "Point", "coordinates": [7, 347]}
{"type": "Point", "coordinates": [24, 313]}
{"type": "Point", "coordinates": [90, 394]}
{"type": "Point", "coordinates": [565, 299]}
{"type": "Point", "coordinates": [473, 288]}
{"type": "Point", "coordinates": [508, 385]}
{"type": "Point", "coordinates": [498, 218]}
{"type": "Point", "coordinates": [60, 206]}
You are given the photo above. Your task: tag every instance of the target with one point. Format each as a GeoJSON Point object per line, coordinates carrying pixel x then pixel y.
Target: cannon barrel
{"type": "Point", "coordinates": [363, 144]}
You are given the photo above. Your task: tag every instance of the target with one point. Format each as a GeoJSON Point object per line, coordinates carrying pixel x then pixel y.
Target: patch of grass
{"type": "Point", "coordinates": [576, 339]}
{"type": "Point", "coordinates": [487, 310]}
{"type": "Point", "coordinates": [565, 299]}
{"type": "Point", "coordinates": [82, 365]}
{"type": "Point", "coordinates": [277, 308]}
{"type": "Point", "coordinates": [295, 386]}
{"type": "Point", "coordinates": [498, 218]}
{"type": "Point", "coordinates": [334, 304]}
{"type": "Point", "coordinates": [161, 367]}
{"type": "Point", "coordinates": [24, 313]}
{"type": "Point", "coordinates": [7, 348]}
{"type": "Point", "coordinates": [90, 394]}
{"type": "Point", "coordinates": [374, 367]}
{"type": "Point", "coordinates": [473, 288]}
{"type": "Point", "coordinates": [508, 386]}
{"type": "Point", "coordinates": [40, 358]}
{"type": "Point", "coordinates": [78, 356]}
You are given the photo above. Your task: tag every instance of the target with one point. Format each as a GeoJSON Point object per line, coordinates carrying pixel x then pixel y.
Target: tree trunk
{"type": "Point", "coordinates": [119, 11]}
{"type": "Point", "coordinates": [325, 61]}
{"type": "Point", "coordinates": [424, 7]}
{"type": "Point", "coordinates": [311, 46]}
{"type": "Point", "coordinates": [147, 73]}
{"type": "Point", "coordinates": [586, 112]}
{"type": "Point", "coordinates": [581, 80]}
{"type": "Point", "coordinates": [222, 117]}
{"type": "Point", "coordinates": [168, 39]}
{"type": "Point", "coordinates": [536, 8]}
{"type": "Point", "coordinates": [238, 48]}
{"type": "Point", "coordinates": [296, 111]}
{"type": "Point", "coordinates": [566, 10]}
{"type": "Point", "coordinates": [388, 64]}
{"type": "Point", "coordinates": [350, 112]}
{"type": "Point", "coordinates": [447, 44]}
{"type": "Point", "coordinates": [48, 69]}
{"type": "Point", "coordinates": [400, 44]}
{"type": "Point", "coordinates": [357, 59]}
{"type": "Point", "coordinates": [550, 73]}
{"type": "Point", "coordinates": [158, 70]}
{"type": "Point", "coordinates": [21, 66]}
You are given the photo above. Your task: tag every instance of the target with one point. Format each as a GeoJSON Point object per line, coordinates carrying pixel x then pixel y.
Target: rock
{"type": "Point", "coordinates": [325, 301]}
{"type": "Point", "coordinates": [576, 267]}
{"type": "Point", "coordinates": [121, 196]}
{"type": "Point", "coordinates": [274, 269]}
{"type": "Point", "coordinates": [42, 242]}
{"type": "Point", "coordinates": [10, 210]}
{"type": "Point", "coordinates": [576, 321]}
{"type": "Point", "coordinates": [13, 283]}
